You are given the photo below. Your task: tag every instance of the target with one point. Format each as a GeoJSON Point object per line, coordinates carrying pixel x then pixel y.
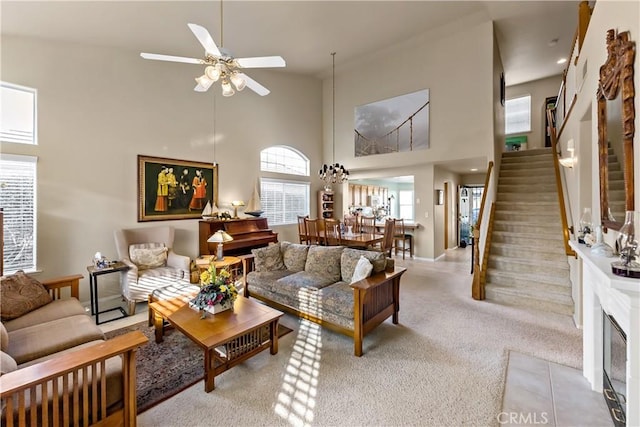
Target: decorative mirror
{"type": "Point", "coordinates": [616, 116]}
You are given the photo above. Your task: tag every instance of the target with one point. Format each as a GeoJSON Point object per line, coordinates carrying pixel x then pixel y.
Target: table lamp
{"type": "Point", "coordinates": [220, 237]}
{"type": "Point", "coordinates": [235, 205]}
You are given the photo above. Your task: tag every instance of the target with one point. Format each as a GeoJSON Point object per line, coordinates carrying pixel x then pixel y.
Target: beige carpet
{"type": "Point", "coordinates": [444, 365]}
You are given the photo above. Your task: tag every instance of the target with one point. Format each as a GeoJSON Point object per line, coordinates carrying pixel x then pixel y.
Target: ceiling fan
{"type": "Point", "coordinates": [221, 65]}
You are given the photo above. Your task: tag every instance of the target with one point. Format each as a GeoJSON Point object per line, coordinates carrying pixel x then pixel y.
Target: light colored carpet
{"type": "Point", "coordinates": [444, 365]}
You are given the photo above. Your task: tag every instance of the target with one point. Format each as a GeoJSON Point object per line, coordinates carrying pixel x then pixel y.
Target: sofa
{"type": "Point", "coordinates": [51, 351]}
{"type": "Point", "coordinates": [349, 291]}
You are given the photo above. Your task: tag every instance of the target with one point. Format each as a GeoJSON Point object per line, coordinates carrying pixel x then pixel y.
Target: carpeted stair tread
{"type": "Point", "coordinates": [529, 205]}
{"type": "Point", "coordinates": [550, 253]}
{"type": "Point", "coordinates": [516, 180]}
{"type": "Point", "coordinates": [528, 265]}
{"type": "Point", "coordinates": [525, 216]}
{"type": "Point", "coordinates": [526, 280]}
{"type": "Point", "coordinates": [527, 153]}
{"type": "Point", "coordinates": [527, 227]}
{"type": "Point", "coordinates": [537, 188]}
{"type": "Point", "coordinates": [543, 301]}
{"type": "Point", "coordinates": [526, 197]}
{"type": "Point", "coordinates": [530, 172]}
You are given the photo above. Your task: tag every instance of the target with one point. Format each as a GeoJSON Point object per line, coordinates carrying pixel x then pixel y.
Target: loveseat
{"type": "Point", "coordinates": [53, 352]}
{"type": "Point", "coordinates": [317, 283]}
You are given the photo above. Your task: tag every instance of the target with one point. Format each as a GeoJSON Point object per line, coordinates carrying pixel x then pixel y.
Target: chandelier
{"type": "Point", "coordinates": [333, 173]}
{"type": "Point", "coordinates": [223, 68]}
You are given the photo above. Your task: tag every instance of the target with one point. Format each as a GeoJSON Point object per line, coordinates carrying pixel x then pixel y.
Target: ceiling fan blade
{"type": "Point", "coordinates": [254, 85]}
{"type": "Point", "coordinates": [261, 62]}
{"type": "Point", "coordinates": [159, 57]}
{"type": "Point", "coordinates": [205, 39]}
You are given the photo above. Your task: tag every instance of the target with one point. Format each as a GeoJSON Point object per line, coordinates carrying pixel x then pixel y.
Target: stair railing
{"type": "Point", "coordinates": [556, 164]}
{"type": "Point", "coordinates": [477, 287]}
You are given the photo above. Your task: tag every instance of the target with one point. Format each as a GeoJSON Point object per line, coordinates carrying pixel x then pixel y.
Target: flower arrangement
{"type": "Point", "coordinates": [215, 289]}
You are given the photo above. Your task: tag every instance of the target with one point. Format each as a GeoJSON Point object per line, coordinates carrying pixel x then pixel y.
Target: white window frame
{"type": "Point", "coordinates": [515, 121]}
{"type": "Point", "coordinates": [276, 172]}
{"type": "Point", "coordinates": [5, 135]}
{"type": "Point", "coordinates": [18, 211]}
{"type": "Point", "coordinates": [277, 158]}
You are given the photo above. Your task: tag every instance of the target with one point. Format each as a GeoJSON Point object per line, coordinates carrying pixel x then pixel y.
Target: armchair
{"type": "Point", "coordinates": [143, 278]}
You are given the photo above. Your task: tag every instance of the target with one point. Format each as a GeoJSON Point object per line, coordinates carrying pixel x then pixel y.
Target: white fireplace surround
{"type": "Point", "coordinates": [619, 297]}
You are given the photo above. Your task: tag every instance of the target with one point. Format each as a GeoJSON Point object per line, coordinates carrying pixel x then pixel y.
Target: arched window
{"type": "Point", "coordinates": [281, 159]}
{"type": "Point", "coordinates": [284, 184]}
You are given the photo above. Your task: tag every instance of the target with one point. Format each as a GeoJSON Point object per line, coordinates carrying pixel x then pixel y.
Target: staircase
{"type": "Point", "coordinates": [527, 264]}
{"type": "Point", "coordinates": [617, 205]}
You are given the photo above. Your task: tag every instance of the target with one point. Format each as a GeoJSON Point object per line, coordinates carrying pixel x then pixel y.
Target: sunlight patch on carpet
{"type": "Point", "coordinates": [296, 400]}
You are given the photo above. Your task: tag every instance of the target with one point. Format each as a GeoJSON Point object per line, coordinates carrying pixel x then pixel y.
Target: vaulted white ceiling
{"type": "Point", "coordinates": [303, 32]}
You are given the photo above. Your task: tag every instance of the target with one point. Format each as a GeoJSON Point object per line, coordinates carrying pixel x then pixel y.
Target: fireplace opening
{"type": "Point", "coordinates": [614, 376]}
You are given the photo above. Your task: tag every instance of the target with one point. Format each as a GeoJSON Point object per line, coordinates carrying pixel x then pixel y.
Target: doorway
{"type": "Point", "coordinates": [469, 200]}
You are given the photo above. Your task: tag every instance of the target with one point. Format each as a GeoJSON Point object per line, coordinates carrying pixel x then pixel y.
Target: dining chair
{"type": "Point", "coordinates": [332, 232]}
{"type": "Point", "coordinates": [302, 229]}
{"type": "Point", "coordinates": [389, 236]}
{"type": "Point", "coordinates": [368, 224]}
{"type": "Point", "coordinates": [352, 221]}
{"type": "Point", "coordinates": [402, 240]}
{"type": "Point", "coordinates": [312, 227]}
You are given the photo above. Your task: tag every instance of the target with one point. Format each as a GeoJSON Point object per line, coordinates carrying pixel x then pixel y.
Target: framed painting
{"type": "Point", "coordinates": [393, 125]}
{"type": "Point", "coordinates": [170, 189]}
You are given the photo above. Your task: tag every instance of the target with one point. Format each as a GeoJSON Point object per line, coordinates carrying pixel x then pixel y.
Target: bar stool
{"type": "Point", "coordinates": [402, 237]}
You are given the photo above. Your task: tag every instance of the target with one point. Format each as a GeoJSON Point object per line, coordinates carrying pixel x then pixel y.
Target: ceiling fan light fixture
{"type": "Point", "coordinates": [238, 81]}
{"type": "Point", "coordinates": [227, 90]}
{"type": "Point", "coordinates": [212, 73]}
{"type": "Point", "coordinates": [204, 81]}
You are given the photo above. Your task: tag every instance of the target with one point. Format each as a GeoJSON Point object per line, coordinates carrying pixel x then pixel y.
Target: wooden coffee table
{"type": "Point", "coordinates": [227, 338]}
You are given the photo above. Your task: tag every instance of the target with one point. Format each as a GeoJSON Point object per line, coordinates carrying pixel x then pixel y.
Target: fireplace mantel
{"type": "Point", "coordinates": [619, 297]}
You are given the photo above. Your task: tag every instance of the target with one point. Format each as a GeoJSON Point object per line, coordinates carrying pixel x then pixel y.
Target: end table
{"type": "Point", "coordinates": [94, 272]}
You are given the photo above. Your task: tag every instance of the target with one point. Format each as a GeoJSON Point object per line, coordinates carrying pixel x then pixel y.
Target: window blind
{"type": "Point", "coordinates": [17, 114]}
{"type": "Point", "coordinates": [18, 201]}
{"type": "Point", "coordinates": [517, 115]}
{"type": "Point", "coordinates": [282, 201]}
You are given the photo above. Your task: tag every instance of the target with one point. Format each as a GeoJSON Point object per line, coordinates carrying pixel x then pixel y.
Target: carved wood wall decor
{"type": "Point", "coordinates": [616, 84]}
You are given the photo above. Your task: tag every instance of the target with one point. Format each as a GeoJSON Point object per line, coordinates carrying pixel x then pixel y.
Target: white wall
{"type": "Point", "coordinates": [539, 90]}
{"type": "Point", "coordinates": [99, 108]}
{"type": "Point", "coordinates": [450, 63]}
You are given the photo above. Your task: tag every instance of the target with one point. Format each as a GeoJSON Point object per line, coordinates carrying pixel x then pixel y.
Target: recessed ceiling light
{"type": "Point", "coordinates": [474, 170]}
{"type": "Point", "coordinates": [562, 60]}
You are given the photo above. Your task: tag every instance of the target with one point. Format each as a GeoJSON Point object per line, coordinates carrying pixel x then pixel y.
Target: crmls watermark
{"type": "Point", "coordinates": [528, 418]}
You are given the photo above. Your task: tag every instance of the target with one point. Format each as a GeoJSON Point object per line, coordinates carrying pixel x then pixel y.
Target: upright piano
{"type": "Point", "coordinates": [247, 233]}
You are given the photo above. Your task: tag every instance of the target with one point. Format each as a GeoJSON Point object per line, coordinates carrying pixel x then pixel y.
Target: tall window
{"type": "Point", "coordinates": [18, 201]}
{"type": "Point", "coordinates": [405, 203]}
{"type": "Point", "coordinates": [283, 198]}
{"type": "Point", "coordinates": [18, 114]}
{"type": "Point", "coordinates": [518, 115]}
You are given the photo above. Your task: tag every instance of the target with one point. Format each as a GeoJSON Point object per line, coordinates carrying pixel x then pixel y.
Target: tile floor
{"type": "Point", "coordinates": [544, 393]}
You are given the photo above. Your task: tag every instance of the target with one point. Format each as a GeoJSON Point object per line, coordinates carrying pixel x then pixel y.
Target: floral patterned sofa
{"type": "Point", "coordinates": [350, 291]}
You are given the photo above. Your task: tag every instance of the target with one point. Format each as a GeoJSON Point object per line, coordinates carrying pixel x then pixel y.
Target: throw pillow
{"type": "Point", "coordinates": [324, 260]}
{"type": "Point", "coordinates": [7, 363]}
{"type": "Point", "coordinates": [363, 270]}
{"type": "Point", "coordinates": [268, 258]}
{"type": "Point", "coordinates": [148, 255]}
{"type": "Point", "coordinates": [4, 338]}
{"type": "Point", "coordinates": [20, 294]}
{"type": "Point", "coordinates": [294, 255]}
{"type": "Point", "coordinates": [350, 258]}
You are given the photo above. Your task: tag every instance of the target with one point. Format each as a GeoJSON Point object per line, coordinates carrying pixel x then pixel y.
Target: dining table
{"type": "Point", "coordinates": [358, 240]}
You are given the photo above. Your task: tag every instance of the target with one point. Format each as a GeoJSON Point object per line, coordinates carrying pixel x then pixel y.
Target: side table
{"type": "Point", "coordinates": [94, 272]}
